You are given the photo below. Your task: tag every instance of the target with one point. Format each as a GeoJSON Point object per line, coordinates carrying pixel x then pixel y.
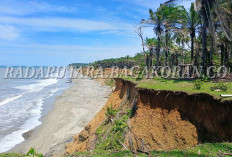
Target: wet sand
{"type": "Point", "coordinates": [72, 110]}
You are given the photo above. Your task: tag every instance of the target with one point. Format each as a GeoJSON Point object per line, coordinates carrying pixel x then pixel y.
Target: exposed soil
{"type": "Point", "coordinates": [85, 140]}
{"type": "Point", "coordinates": [163, 120]}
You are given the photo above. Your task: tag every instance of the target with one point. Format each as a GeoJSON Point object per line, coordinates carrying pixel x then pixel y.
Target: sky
{"type": "Point", "coordinates": [60, 32]}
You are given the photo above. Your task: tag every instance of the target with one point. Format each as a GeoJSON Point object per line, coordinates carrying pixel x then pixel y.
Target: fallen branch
{"type": "Point", "coordinates": [230, 154]}
{"type": "Point", "coordinates": [122, 144]}
{"type": "Point", "coordinates": [143, 152]}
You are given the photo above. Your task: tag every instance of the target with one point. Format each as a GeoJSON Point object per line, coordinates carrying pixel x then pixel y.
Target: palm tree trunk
{"type": "Point", "coordinates": [204, 43]}
{"type": "Point", "coordinates": [192, 48]}
{"type": "Point", "coordinates": [176, 59]}
{"type": "Point", "coordinates": [212, 49]}
{"type": "Point", "coordinates": [226, 54]}
{"type": "Point", "coordinates": [182, 52]}
{"type": "Point", "coordinates": [150, 58]}
{"type": "Point", "coordinates": [145, 55]}
{"type": "Point", "coordinates": [158, 52]}
{"type": "Point", "coordinates": [196, 59]}
{"type": "Point", "coordinates": [222, 54]}
{"type": "Point", "coordinates": [166, 47]}
{"type": "Point", "coordinates": [230, 50]}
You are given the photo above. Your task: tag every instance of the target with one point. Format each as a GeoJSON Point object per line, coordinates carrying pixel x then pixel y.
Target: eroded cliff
{"type": "Point", "coordinates": [161, 120]}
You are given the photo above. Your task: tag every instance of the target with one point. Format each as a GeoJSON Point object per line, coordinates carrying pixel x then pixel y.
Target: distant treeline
{"type": "Point", "coordinates": [77, 65]}
{"type": "Point", "coordinates": [127, 61]}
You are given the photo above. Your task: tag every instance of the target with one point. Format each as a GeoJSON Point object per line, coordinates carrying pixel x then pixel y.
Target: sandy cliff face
{"type": "Point", "coordinates": [85, 140]}
{"type": "Point", "coordinates": [163, 120]}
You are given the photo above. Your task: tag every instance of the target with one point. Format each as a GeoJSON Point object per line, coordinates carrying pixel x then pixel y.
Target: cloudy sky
{"type": "Point", "coordinates": [59, 32]}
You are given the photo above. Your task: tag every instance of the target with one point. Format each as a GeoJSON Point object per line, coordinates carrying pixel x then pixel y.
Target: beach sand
{"type": "Point", "coordinates": [72, 110]}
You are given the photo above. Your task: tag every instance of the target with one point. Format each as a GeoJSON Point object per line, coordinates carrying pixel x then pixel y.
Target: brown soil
{"type": "Point", "coordinates": [164, 120]}
{"type": "Point", "coordinates": [160, 129]}
{"type": "Point", "coordinates": [85, 140]}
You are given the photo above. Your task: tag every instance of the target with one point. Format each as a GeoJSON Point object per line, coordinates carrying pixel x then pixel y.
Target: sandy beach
{"type": "Point", "coordinates": [72, 110]}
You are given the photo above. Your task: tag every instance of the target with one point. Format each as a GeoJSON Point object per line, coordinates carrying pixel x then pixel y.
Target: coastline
{"type": "Point", "coordinates": [72, 111]}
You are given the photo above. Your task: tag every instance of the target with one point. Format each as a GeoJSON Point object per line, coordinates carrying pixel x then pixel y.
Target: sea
{"type": "Point", "coordinates": [23, 103]}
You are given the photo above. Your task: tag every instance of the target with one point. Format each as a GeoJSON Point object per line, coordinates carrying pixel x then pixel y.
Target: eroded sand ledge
{"type": "Point", "coordinates": [72, 111]}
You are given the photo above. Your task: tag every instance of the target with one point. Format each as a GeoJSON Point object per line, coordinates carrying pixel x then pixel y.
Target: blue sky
{"type": "Point", "coordinates": [59, 32]}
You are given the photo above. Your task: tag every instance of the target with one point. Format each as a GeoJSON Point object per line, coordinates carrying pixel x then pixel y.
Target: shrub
{"type": "Point", "coordinates": [110, 112]}
{"type": "Point", "coordinates": [219, 86]}
{"type": "Point", "coordinates": [205, 79]}
{"type": "Point", "coordinates": [197, 84]}
{"type": "Point", "coordinates": [119, 126]}
{"type": "Point", "coordinates": [32, 152]}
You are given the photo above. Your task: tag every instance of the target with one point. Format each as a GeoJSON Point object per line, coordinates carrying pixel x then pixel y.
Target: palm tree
{"type": "Point", "coordinates": [151, 44]}
{"type": "Point", "coordinates": [175, 51]}
{"type": "Point", "coordinates": [181, 38]}
{"type": "Point", "coordinates": [172, 16]}
{"type": "Point", "coordinates": [191, 23]}
{"type": "Point", "coordinates": [207, 9]}
{"type": "Point", "coordinates": [221, 9]}
{"type": "Point", "coordinates": [156, 21]}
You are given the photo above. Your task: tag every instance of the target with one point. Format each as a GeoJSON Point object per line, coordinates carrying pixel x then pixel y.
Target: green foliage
{"type": "Point", "coordinates": [33, 153]}
{"type": "Point", "coordinates": [219, 86]}
{"type": "Point", "coordinates": [109, 82]}
{"type": "Point", "coordinates": [99, 130]}
{"type": "Point", "coordinates": [78, 65]}
{"type": "Point", "coordinates": [111, 135]}
{"type": "Point", "coordinates": [197, 84]}
{"type": "Point", "coordinates": [129, 112]}
{"type": "Point", "coordinates": [205, 79]}
{"type": "Point", "coordinates": [202, 150]}
{"type": "Point", "coordinates": [120, 125]}
{"type": "Point", "coordinates": [128, 61]}
{"type": "Point", "coordinates": [30, 153]}
{"type": "Point", "coordinates": [110, 112]}
{"type": "Point", "coordinates": [140, 75]}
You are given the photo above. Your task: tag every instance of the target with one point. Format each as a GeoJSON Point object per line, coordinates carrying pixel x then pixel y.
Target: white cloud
{"type": "Point", "coordinates": [147, 3]}
{"type": "Point", "coordinates": [28, 7]}
{"type": "Point", "coordinates": [64, 23]}
{"type": "Point", "coordinates": [8, 32]}
{"type": "Point", "coordinates": [144, 3]}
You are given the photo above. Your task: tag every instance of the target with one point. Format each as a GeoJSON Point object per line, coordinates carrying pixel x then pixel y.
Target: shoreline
{"type": "Point", "coordinates": [71, 112]}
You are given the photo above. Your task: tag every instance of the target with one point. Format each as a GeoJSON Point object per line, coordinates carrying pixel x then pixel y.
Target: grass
{"type": "Point", "coordinates": [181, 85]}
{"type": "Point", "coordinates": [18, 155]}
{"type": "Point", "coordinates": [113, 133]}
{"type": "Point", "coordinates": [203, 150]}
{"type": "Point", "coordinates": [30, 153]}
{"type": "Point", "coordinates": [109, 82]}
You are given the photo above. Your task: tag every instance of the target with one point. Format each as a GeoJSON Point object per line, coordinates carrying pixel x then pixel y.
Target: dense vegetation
{"type": "Point", "coordinates": [77, 65]}
{"type": "Point", "coordinates": [199, 36]}
{"type": "Point", "coordinates": [205, 29]}
{"type": "Point", "coordinates": [121, 62]}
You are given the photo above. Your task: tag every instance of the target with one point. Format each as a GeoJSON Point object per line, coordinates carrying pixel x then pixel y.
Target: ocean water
{"type": "Point", "coordinates": [23, 102]}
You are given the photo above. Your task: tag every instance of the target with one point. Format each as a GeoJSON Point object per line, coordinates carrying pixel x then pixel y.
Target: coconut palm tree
{"type": "Point", "coordinates": [181, 38]}
{"type": "Point", "coordinates": [211, 11]}
{"type": "Point", "coordinates": [156, 21]}
{"type": "Point", "coordinates": [150, 43]}
{"type": "Point", "coordinates": [172, 16]}
{"type": "Point", "coordinates": [221, 9]}
{"type": "Point", "coordinates": [191, 22]}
